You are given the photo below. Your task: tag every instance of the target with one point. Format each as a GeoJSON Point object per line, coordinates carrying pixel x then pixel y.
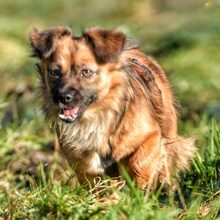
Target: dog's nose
{"type": "Point", "coordinates": [66, 98]}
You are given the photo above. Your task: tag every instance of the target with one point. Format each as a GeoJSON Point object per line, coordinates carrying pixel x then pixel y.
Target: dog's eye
{"type": "Point", "coordinates": [87, 73]}
{"type": "Point", "coordinates": [54, 74]}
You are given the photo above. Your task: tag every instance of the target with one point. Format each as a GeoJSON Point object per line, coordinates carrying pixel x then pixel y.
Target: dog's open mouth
{"type": "Point", "coordinates": [69, 114]}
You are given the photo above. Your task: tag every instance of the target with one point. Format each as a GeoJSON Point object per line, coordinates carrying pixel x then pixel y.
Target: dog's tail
{"type": "Point", "coordinates": [183, 151]}
{"type": "Point", "coordinates": [178, 154]}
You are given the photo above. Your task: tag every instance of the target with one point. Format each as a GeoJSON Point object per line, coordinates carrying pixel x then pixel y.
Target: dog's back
{"type": "Point", "coordinates": [179, 150]}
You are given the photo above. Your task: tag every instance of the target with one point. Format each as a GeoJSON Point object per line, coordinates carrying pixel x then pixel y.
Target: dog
{"type": "Point", "coordinates": [111, 106]}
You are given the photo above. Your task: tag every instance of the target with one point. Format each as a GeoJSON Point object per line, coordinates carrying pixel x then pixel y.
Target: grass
{"type": "Point", "coordinates": [47, 193]}
{"type": "Point", "coordinates": [36, 182]}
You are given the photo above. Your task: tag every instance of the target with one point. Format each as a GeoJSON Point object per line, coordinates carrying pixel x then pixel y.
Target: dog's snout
{"type": "Point", "coordinates": [69, 97]}
{"type": "Point", "coordinates": [66, 98]}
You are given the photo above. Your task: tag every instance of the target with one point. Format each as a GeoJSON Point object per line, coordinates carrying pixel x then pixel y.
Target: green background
{"type": "Point", "coordinates": [184, 36]}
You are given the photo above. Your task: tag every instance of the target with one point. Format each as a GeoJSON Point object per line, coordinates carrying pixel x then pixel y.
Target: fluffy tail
{"type": "Point", "coordinates": [183, 151]}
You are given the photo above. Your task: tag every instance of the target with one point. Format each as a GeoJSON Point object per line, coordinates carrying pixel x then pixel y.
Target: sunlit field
{"type": "Point", "coordinates": [36, 182]}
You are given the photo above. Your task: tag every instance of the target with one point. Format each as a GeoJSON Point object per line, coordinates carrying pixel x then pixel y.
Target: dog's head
{"type": "Point", "coordinates": [76, 72]}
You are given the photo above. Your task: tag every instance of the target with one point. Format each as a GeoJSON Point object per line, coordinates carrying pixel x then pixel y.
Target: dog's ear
{"type": "Point", "coordinates": [43, 41]}
{"type": "Point", "coordinates": [106, 44]}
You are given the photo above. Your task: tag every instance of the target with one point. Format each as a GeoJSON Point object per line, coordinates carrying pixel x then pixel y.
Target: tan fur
{"type": "Point", "coordinates": [134, 117]}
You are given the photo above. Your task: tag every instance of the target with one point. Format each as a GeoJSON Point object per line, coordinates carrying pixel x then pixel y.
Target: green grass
{"type": "Point", "coordinates": [47, 193]}
{"type": "Point", "coordinates": [36, 182]}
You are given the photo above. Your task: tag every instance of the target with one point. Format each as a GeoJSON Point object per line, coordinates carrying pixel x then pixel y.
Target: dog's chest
{"type": "Point", "coordinates": [84, 135]}
{"type": "Point", "coordinates": [84, 142]}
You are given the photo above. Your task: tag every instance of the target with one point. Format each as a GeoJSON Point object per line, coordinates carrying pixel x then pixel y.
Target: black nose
{"type": "Point", "coordinates": [66, 98]}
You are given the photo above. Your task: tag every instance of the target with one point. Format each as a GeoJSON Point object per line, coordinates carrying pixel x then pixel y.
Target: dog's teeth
{"type": "Point", "coordinates": [67, 118]}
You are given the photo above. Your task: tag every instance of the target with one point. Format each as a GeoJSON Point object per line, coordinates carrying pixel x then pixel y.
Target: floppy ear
{"type": "Point", "coordinates": [106, 44]}
{"type": "Point", "coordinates": [43, 41]}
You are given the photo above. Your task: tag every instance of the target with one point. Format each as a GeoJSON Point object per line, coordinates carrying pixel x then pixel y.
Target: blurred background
{"type": "Point", "coordinates": [184, 36]}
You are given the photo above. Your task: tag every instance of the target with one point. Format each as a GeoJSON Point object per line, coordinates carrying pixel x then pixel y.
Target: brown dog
{"type": "Point", "coordinates": [109, 102]}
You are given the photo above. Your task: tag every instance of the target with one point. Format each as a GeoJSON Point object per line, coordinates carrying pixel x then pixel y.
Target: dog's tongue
{"type": "Point", "coordinates": [71, 111]}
